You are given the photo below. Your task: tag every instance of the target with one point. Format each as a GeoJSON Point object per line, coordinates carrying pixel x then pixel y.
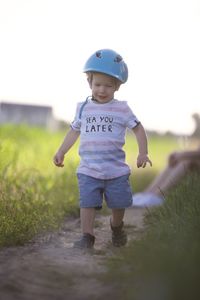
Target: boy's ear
{"type": "Point", "coordinates": [89, 82]}
{"type": "Point", "coordinates": [117, 86]}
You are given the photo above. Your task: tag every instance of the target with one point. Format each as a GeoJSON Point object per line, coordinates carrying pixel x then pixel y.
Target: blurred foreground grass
{"type": "Point", "coordinates": [165, 262]}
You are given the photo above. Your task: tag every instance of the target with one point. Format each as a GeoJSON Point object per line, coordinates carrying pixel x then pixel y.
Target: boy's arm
{"type": "Point", "coordinates": [141, 137]}
{"type": "Point", "coordinates": [68, 142]}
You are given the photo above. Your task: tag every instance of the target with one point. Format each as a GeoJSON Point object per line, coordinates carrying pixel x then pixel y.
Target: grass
{"type": "Point", "coordinates": [35, 196]}
{"type": "Point", "coordinates": [165, 262]}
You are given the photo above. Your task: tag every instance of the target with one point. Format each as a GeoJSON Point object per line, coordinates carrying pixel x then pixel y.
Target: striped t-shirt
{"type": "Point", "coordinates": [102, 136]}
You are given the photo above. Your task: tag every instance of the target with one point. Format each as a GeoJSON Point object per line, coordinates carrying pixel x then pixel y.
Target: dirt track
{"type": "Point", "coordinates": [49, 268]}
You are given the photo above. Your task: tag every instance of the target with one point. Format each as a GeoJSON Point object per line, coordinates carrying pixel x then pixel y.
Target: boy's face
{"type": "Point", "coordinates": [103, 87]}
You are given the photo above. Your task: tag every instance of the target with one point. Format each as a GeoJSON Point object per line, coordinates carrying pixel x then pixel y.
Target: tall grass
{"type": "Point", "coordinates": [165, 262]}
{"type": "Point", "coordinates": [34, 195]}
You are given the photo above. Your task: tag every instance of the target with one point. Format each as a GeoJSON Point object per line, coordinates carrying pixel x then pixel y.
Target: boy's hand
{"type": "Point", "coordinates": [142, 160]}
{"type": "Point", "coordinates": [58, 159]}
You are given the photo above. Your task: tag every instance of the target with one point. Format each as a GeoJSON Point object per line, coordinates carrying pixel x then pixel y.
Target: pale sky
{"type": "Point", "coordinates": [45, 43]}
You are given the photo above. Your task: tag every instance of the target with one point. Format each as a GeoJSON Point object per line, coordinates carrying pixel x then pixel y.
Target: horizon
{"type": "Point", "coordinates": [162, 132]}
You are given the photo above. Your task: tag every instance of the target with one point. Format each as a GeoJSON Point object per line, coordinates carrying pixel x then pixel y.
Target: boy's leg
{"type": "Point", "coordinates": [119, 237]}
{"type": "Point", "coordinates": [87, 216]}
{"type": "Point", "coordinates": [117, 216]}
{"type": "Point", "coordinates": [87, 240]}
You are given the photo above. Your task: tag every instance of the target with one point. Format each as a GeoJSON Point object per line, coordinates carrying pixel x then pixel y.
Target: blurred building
{"type": "Point", "coordinates": [34, 115]}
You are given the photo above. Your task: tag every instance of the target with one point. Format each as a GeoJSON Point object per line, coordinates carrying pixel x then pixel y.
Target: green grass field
{"type": "Point", "coordinates": [35, 196]}
{"type": "Point", "coordinates": [165, 262]}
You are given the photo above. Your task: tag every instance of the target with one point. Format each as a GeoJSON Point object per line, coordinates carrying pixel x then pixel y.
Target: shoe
{"type": "Point", "coordinates": [86, 242]}
{"type": "Point", "coordinates": [146, 200]}
{"type": "Point", "coordinates": [119, 237]}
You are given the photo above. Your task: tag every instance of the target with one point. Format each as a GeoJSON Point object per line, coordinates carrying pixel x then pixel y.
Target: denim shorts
{"type": "Point", "coordinates": [116, 192]}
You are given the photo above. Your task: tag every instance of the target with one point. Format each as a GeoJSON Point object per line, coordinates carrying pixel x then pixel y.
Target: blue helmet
{"type": "Point", "coordinates": [108, 62]}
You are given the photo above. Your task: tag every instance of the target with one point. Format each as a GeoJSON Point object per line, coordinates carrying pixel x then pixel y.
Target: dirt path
{"type": "Point", "coordinates": [49, 268]}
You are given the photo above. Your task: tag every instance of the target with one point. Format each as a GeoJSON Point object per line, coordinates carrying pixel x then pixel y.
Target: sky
{"type": "Point", "coordinates": [45, 43]}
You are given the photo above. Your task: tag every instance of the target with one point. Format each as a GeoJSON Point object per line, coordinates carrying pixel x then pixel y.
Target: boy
{"type": "Point", "coordinates": [101, 122]}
